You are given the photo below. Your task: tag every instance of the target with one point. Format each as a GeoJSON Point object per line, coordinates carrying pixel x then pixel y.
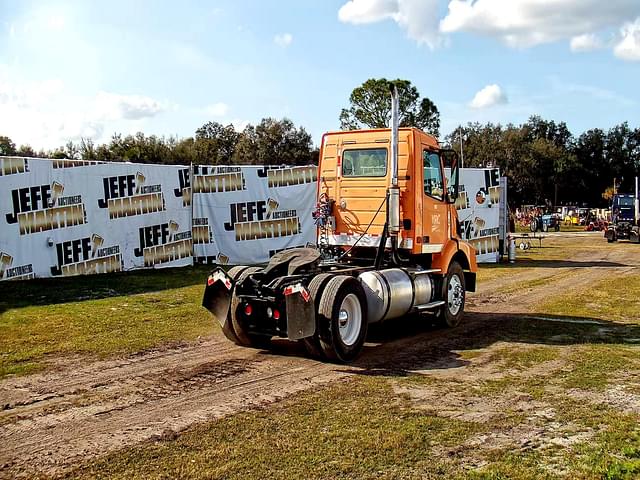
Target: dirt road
{"type": "Point", "coordinates": [53, 421]}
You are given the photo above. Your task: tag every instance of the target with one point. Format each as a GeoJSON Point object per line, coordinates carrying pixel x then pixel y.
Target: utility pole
{"type": "Point", "coordinates": [461, 149]}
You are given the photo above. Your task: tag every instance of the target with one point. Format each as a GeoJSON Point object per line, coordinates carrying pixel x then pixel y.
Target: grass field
{"type": "Point", "coordinates": [99, 316]}
{"type": "Point", "coordinates": [548, 393]}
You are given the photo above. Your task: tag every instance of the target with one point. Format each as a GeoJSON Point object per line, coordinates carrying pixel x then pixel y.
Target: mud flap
{"type": "Point", "coordinates": [470, 281]}
{"type": "Point", "coordinates": [634, 235]}
{"type": "Point", "coordinates": [217, 294]}
{"type": "Point", "coordinates": [301, 315]}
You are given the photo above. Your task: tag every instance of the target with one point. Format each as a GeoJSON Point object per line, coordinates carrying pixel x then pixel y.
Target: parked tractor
{"type": "Point", "coordinates": [545, 222]}
{"type": "Point", "coordinates": [389, 245]}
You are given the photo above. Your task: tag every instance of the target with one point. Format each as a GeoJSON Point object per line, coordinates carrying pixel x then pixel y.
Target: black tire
{"type": "Point", "coordinates": [557, 227]}
{"type": "Point", "coordinates": [545, 227]}
{"type": "Point", "coordinates": [244, 338]}
{"type": "Point", "coordinates": [450, 315]}
{"type": "Point", "coordinates": [335, 346]}
{"type": "Point", "coordinates": [533, 226]}
{"type": "Point", "coordinates": [316, 286]}
{"type": "Point", "coordinates": [227, 326]}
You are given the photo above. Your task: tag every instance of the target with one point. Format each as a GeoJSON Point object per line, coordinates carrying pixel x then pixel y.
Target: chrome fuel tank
{"type": "Point", "coordinates": [392, 293]}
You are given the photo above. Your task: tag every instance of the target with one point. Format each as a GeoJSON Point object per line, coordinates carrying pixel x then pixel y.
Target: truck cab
{"type": "Point", "coordinates": [624, 225]}
{"type": "Point", "coordinates": [355, 171]}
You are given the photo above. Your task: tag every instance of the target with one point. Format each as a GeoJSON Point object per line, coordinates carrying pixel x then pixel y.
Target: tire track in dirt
{"type": "Point", "coordinates": [52, 421]}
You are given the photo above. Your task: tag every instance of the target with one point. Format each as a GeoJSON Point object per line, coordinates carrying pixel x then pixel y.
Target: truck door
{"type": "Point", "coordinates": [435, 222]}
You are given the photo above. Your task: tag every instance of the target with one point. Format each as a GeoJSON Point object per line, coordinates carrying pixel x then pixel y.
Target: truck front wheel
{"type": "Point", "coordinates": [342, 319]}
{"type": "Point", "coordinates": [453, 294]}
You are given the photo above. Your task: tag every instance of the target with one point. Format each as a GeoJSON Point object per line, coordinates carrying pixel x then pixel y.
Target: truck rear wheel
{"type": "Point", "coordinates": [453, 293]}
{"type": "Point", "coordinates": [244, 338]}
{"type": "Point", "coordinates": [226, 324]}
{"type": "Point", "coordinates": [316, 286]}
{"type": "Point", "coordinates": [342, 318]}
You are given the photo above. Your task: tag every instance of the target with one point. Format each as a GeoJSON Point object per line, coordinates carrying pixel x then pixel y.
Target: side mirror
{"type": "Point", "coordinates": [452, 167]}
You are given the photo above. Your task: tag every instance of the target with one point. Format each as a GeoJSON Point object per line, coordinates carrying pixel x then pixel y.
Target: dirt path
{"type": "Point", "coordinates": [51, 422]}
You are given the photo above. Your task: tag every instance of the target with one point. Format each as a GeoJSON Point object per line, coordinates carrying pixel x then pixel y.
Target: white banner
{"type": "Point", "coordinates": [243, 215]}
{"type": "Point", "coordinates": [479, 211]}
{"type": "Point", "coordinates": [70, 217]}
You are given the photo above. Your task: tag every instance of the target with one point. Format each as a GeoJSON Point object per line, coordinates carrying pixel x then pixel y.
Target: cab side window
{"type": "Point", "coordinates": [433, 185]}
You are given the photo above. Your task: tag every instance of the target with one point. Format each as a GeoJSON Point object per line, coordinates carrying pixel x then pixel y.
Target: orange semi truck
{"type": "Point", "coordinates": [389, 245]}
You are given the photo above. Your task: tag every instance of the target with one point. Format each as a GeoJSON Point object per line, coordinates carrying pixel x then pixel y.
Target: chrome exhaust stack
{"type": "Point", "coordinates": [394, 190]}
{"type": "Point", "coordinates": [636, 204]}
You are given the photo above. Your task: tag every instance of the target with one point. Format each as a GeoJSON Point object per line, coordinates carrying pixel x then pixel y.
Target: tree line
{"type": "Point", "coordinates": [270, 142]}
{"type": "Point", "coordinates": [547, 165]}
{"type": "Point", "coordinates": [544, 162]}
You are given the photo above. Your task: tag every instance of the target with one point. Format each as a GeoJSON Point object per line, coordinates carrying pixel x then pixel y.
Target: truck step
{"type": "Point", "coordinates": [423, 272]}
{"type": "Point", "coordinates": [429, 306]}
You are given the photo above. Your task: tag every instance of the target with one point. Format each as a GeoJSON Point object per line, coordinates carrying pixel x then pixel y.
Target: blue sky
{"type": "Point", "coordinates": [76, 68]}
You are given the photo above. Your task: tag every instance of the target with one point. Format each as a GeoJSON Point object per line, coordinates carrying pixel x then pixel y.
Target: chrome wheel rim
{"type": "Point", "coordinates": [350, 319]}
{"type": "Point", "coordinates": [455, 295]}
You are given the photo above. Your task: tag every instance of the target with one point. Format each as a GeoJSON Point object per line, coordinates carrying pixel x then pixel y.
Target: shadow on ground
{"type": "Point", "coordinates": [403, 346]}
{"type": "Point", "coordinates": [533, 263]}
{"type": "Point", "coordinates": [51, 291]}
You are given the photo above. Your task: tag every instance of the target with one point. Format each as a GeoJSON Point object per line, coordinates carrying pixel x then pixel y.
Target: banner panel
{"type": "Point", "coordinates": [478, 208]}
{"type": "Point", "coordinates": [70, 217]}
{"type": "Point", "coordinates": [243, 215]}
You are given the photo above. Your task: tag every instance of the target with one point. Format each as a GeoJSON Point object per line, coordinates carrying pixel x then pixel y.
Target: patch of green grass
{"type": "Point", "coordinates": [517, 357]}
{"type": "Point", "coordinates": [554, 252]}
{"type": "Point", "coordinates": [523, 285]}
{"type": "Point", "coordinates": [594, 367]}
{"type": "Point", "coordinates": [612, 299]}
{"type": "Point", "coordinates": [103, 315]}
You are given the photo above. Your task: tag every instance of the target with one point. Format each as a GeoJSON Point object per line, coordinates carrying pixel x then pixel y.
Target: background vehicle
{"type": "Point", "coordinates": [624, 218]}
{"type": "Point", "coordinates": [545, 222]}
{"type": "Point", "coordinates": [388, 245]}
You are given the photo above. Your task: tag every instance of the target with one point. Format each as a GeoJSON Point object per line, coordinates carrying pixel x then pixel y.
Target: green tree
{"type": "Point", "coordinates": [274, 142]}
{"type": "Point", "coordinates": [370, 106]}
{"type": "Point", "coordinates": [7, 147]}
{"type": "Point", "coordinates": [26, 151]}
{"type": "Point", "coordinates": [215, 144]}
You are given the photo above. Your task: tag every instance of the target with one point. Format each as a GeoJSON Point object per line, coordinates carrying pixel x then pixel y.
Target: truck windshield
{"type": "Point", "coordinates": [369, 162]}
{"type": "Point", "coordinates": [623, 201]}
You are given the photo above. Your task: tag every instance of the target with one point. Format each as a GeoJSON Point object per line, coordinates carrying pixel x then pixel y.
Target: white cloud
{"type": "Point", "coordinates": [629, 46]}
{"type": "Point", "coordinates": [517, 23]}
{"type": "Point", "coordinates": [585, 43]}
{"type": "Point", "coordinates": [419, 18]}
{"type": "Point", "coordinates": [367, 11]}
{"type": "Point", "coordinates": [488, 97]}
{"type": "Point", "coordinates": [525, 23]}
{"type": "Point", "coordinates": [219, 109]}
{"type": "Point", "coordinates": [113, 106]}
{"type": "Point", "coordinates": [45, 114]}
{"type": "Point", "coordinates": [283, 40]}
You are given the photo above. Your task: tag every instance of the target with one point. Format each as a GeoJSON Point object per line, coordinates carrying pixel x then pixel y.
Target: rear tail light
{"type": "Point", "coordinates": [276, 314]}
{"type": "Point", "coordinates": [248, 309]}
